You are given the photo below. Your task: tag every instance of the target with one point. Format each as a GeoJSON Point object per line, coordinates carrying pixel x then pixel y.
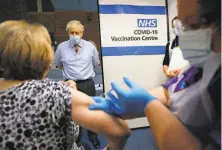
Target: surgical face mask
{"type": "Point", "coordinates": [196, 45]}
{"type": "Point", "coordinates": [75, 39]}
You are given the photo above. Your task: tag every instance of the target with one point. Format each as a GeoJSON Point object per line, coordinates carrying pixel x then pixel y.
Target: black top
{"type": "Point", "coordinates": [166, 60]}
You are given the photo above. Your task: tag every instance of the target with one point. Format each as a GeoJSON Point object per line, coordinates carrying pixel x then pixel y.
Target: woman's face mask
{"type": "Point", "coordinates": [196, 45]}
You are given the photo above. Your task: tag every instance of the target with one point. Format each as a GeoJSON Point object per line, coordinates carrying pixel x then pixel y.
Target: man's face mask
{"type": "Point", "coordinates": [196, 45]}
{"type": "Point", "coordinates": [75, 39]}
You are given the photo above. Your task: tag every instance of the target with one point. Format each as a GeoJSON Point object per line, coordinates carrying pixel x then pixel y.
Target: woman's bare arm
{"type": "Point", "coordinates": [114, 129]}
{"type": "Point", "coordinates": [160, 93]}
{"type": "Point", "coordinates": [169, 132]}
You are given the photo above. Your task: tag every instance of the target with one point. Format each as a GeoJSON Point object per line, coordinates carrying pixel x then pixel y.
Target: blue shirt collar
{"type": "Point", "coordinates": [81, 43]}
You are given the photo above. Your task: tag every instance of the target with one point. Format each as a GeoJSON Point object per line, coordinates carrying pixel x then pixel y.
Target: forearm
{"type": "Point", "coordinates": [114, 129]}
{"type": "Point", "coordinates": [117, 143]}
{"type": "Point", "coordinates": [169, 132]}
{"type": "Point", "coordinates": [165, 69]}
{"type": "Point", "coordinates": [96, 63]}
{"type": "Point", "coordinates": [159, 94]}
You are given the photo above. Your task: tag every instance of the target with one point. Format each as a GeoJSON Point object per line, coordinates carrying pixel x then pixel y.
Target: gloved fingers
{"type": "Point", "coordinates": [119, 91]}
{"type": "Point", "coordinates": [118, 111]}
{"type": "Point", "coordinates": [97, 99]}
{"type": "Point", "coordinates": [97, 106]}
{"type": "Point", "coordinates": [118, 103]}
{"type": "Point", "coordinates": [113, 97]}
{"type": "Point", "coordinates": [128, 82]}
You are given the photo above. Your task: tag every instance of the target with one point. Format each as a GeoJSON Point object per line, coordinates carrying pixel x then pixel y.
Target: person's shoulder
{"type": "Point", "coordinates": [89, 44]}
{"type": "Point", "coordinates": [56, 94]}
{"type": "Point", "coordinates": [47, 85]}
{"type": "Point", "coordinates": [86, 42]}
{"type": "Point", "coordinates": [65, 43]}
{"type": "Point", "coordinates": [40, 82]}
{"type": "Point", "coordinates": [47, 88]}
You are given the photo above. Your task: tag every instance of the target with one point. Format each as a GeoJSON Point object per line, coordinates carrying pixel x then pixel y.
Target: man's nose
{"type": "Point", "coordinates": [75, 34]}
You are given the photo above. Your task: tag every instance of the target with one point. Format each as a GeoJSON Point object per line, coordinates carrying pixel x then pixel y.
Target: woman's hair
{"type": "Point", "coordinates": [8, 27]}
{"type": "Point", "coordinates": [175, 18]}
{"type": "Point", "coordinates": [25, 50]}
{"type": "Point", "coordinates": [210, 12]}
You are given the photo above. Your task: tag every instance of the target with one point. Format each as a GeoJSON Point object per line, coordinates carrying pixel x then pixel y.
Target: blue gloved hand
{"type": "Point", "coordinates": [110, 106]}
{"type": "Point", "coordinates": [130, 101]}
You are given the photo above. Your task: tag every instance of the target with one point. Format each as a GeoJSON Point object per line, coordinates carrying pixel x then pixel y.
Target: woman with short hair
{"type": "Point", "coordinates": [38, 113]}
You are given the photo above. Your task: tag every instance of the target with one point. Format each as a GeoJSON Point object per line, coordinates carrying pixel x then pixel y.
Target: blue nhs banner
{"type": "Point", "coordinates": [149, 23]}
{"type": "Point", "coordinates": [141, 28]}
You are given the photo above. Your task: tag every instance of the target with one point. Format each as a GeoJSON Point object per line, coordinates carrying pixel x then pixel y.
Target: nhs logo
{"type": "Point", "coordinates": [152, 23]}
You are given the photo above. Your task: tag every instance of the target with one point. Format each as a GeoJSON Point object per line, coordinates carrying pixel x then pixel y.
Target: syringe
{"type": "Point", "coordinates": [104, 94]}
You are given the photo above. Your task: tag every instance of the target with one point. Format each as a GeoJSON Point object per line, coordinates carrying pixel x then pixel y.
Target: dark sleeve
{"type": "Point", "coordinates": [175, 42]}
{"type": "Point", "coordinates": [166, 60]}
{"type": "Point", "coordinates": [214, 89]}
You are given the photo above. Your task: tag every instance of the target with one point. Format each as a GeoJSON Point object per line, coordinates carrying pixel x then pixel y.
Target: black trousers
{"type": "Point", "coordinates": [87, 87]}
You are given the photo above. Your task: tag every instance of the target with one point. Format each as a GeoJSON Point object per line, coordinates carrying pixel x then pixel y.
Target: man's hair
{"type": "Point", "coordinates": [25, 50]}
{"type": "Point", "coordinates": [76, 24]}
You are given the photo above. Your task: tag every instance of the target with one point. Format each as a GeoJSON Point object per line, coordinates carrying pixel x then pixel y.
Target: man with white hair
{"type": "Point", "coordinates": [77, 59]}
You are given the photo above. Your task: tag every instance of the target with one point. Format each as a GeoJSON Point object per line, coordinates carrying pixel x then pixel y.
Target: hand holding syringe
{"type": "Point", "coordinates": [105, 94]}
{"type": "Point", "coordinates": [131, 101]}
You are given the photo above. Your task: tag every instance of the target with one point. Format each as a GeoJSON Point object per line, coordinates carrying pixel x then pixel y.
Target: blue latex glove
{"type": "Point", "coordinates": [110, 106]}
{"type": "Point", "coordinates": [130, 101]}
